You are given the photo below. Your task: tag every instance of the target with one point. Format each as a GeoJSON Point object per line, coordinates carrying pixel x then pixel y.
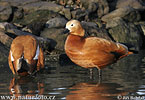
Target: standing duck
{"type": "Point", "coordinates": [26, 55]}
{"type": "Point", "coordinates": [91, 52]}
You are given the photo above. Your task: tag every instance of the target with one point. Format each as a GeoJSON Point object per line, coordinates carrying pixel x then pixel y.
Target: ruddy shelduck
{"type": "Point", "coordinates": [91, 51]}
{"type": "Point", "coordinates": [26, 55]}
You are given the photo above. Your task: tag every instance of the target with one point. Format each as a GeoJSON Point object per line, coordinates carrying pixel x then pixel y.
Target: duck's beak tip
{"type": "Point", "coordinates": [65, 31]}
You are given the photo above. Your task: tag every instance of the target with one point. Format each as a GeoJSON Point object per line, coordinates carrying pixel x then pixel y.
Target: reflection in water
{"type": "Point", "coordinates": [88, 91]}
{"type": "Point", "coordinates": [141, 90]}
{"type": "Point", "coordinates": [25, 86]}
{"type": "Point", "coordinates": [71, 82]}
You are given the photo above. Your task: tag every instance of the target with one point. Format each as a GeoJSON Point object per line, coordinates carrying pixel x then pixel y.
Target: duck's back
{"type": "Point", "coordinates": [24, 44]}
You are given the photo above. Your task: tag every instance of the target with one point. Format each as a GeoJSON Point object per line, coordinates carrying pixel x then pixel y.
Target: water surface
{"type": "Point", "coordinates": [122, 80]}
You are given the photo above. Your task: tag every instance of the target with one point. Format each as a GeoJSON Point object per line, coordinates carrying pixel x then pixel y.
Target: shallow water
{"type": "Point", "coordinates": [124, 80]}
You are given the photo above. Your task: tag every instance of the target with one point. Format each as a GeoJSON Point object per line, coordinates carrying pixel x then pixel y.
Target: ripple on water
{"type": "Point", "coordinates": [72, 82]}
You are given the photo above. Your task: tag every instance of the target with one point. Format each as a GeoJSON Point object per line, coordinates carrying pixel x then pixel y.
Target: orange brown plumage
{"type": "Point", "coordinates": [27, 49]}
{"type": "Point", "coordinates": [91, 51]}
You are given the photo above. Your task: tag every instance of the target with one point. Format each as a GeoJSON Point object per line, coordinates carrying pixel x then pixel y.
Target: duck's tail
{"type": "Point", "coordinates": [124, 50]}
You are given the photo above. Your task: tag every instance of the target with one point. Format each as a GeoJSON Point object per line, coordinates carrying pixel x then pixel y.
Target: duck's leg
{"type": "Point", "coordinates": [91, 73]}
{"type": "Point", "coordinates": [100, 72]}
{"type": "Point", "coordinates": [100, 75]}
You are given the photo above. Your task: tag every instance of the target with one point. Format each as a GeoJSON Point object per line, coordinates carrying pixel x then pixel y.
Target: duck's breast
{"type": "Point", "coordinates": [90, 53]}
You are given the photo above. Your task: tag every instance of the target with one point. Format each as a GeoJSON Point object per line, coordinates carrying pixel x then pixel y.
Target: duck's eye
{"type": "Point", "coordinates": [72, 24]}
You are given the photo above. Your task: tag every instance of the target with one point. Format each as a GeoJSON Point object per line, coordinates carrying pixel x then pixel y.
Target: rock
{"type": "Point", "coordinates": [99, 6]}
{"type": "Point", "coordinates": [4, 52]}
{"type": "Point", "coordinates": [86, 8]}
{"type": "Point", "coordinates": [8, 32]}
{"type": "Point", "coordinates": [36, 16]}
{"type": "Point", "coordinates": [36, 27]}
{"type": "Point", "coordinates": [30, 6]}
{"type": "Point", "coordinates": [56, 35]}
{"type": "Point", "coordinates": [66, 12]}
{"type": "Point", "coordinates": [78, 14]}
{"type": "Point", "coordinates": [18, 13]}
{"type": "Point", "coordinates": [103, 8]}
{"type": "Point", "coordinates": [46, 43]}
{"type": "Point", "coordinates": [126, 33]}
{"type": "Point", "coordinates": [92, 29]}
{"type": "Point", "coordinates": [18, 3]}
{"type": "Point", "coordinates": [57, 22]}
{"type": "Point", "coordinates": [92, 7]}
{"type": "Point", "coordinates": [53, 58]}
{"type": "Point", "coordinates": [143, 28]}
{"type": "Point", "coordinates": [42, 5]}
{"type": "Point", "coordinates": [7, 27]}
{"type": "Point", "coordinates": [26, 29]}
{"type": "Point", "coordinates": [5, 11]}
{"type": "Point", "coordinates": [87, 3]}
{"type": "Point", "coordinates": [5, 39]}
{"type": "Point", "coordinates": [133, 16]}
{"type": "Point", "coordinates": [3, 25]}
{"type": "Point", "coordinates": [127, 13]}
{"type": "Point", "coordinates": [35, 21]}
{"type": "Point", "coordinates": [112, 4]}
{"type": "Point", "coordinates": [136, 4]}
{"type": "Point", "coordinates": [61, 2]}
{"type": "Point", "coordinates": [69, 3]}
{"type": "Point", "coordinates": [87, 25]}
{"type": "Point", "coordinates": [114, 22]}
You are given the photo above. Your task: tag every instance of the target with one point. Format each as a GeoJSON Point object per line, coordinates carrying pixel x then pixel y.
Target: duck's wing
{"type": "Point", "coordinates": [100, 44]}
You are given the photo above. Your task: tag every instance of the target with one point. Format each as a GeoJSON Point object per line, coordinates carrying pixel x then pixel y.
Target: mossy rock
{"type": "Point", "coordinates": [127, 33]}
{"type": "Point", "coordinates": [36, 16]}
{"type": "Point", "coordinates": [36, 20]}
{"type": "Point", "coordinates": [56, 35]}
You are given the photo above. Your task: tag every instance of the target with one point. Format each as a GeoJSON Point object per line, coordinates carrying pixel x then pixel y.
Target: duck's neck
{"type": "Point", "coordinates": [75, 38]}
{"type": "Point", "coordinates": [81, 32]}
{"type": "Point", "coordinates": [74, 41]}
